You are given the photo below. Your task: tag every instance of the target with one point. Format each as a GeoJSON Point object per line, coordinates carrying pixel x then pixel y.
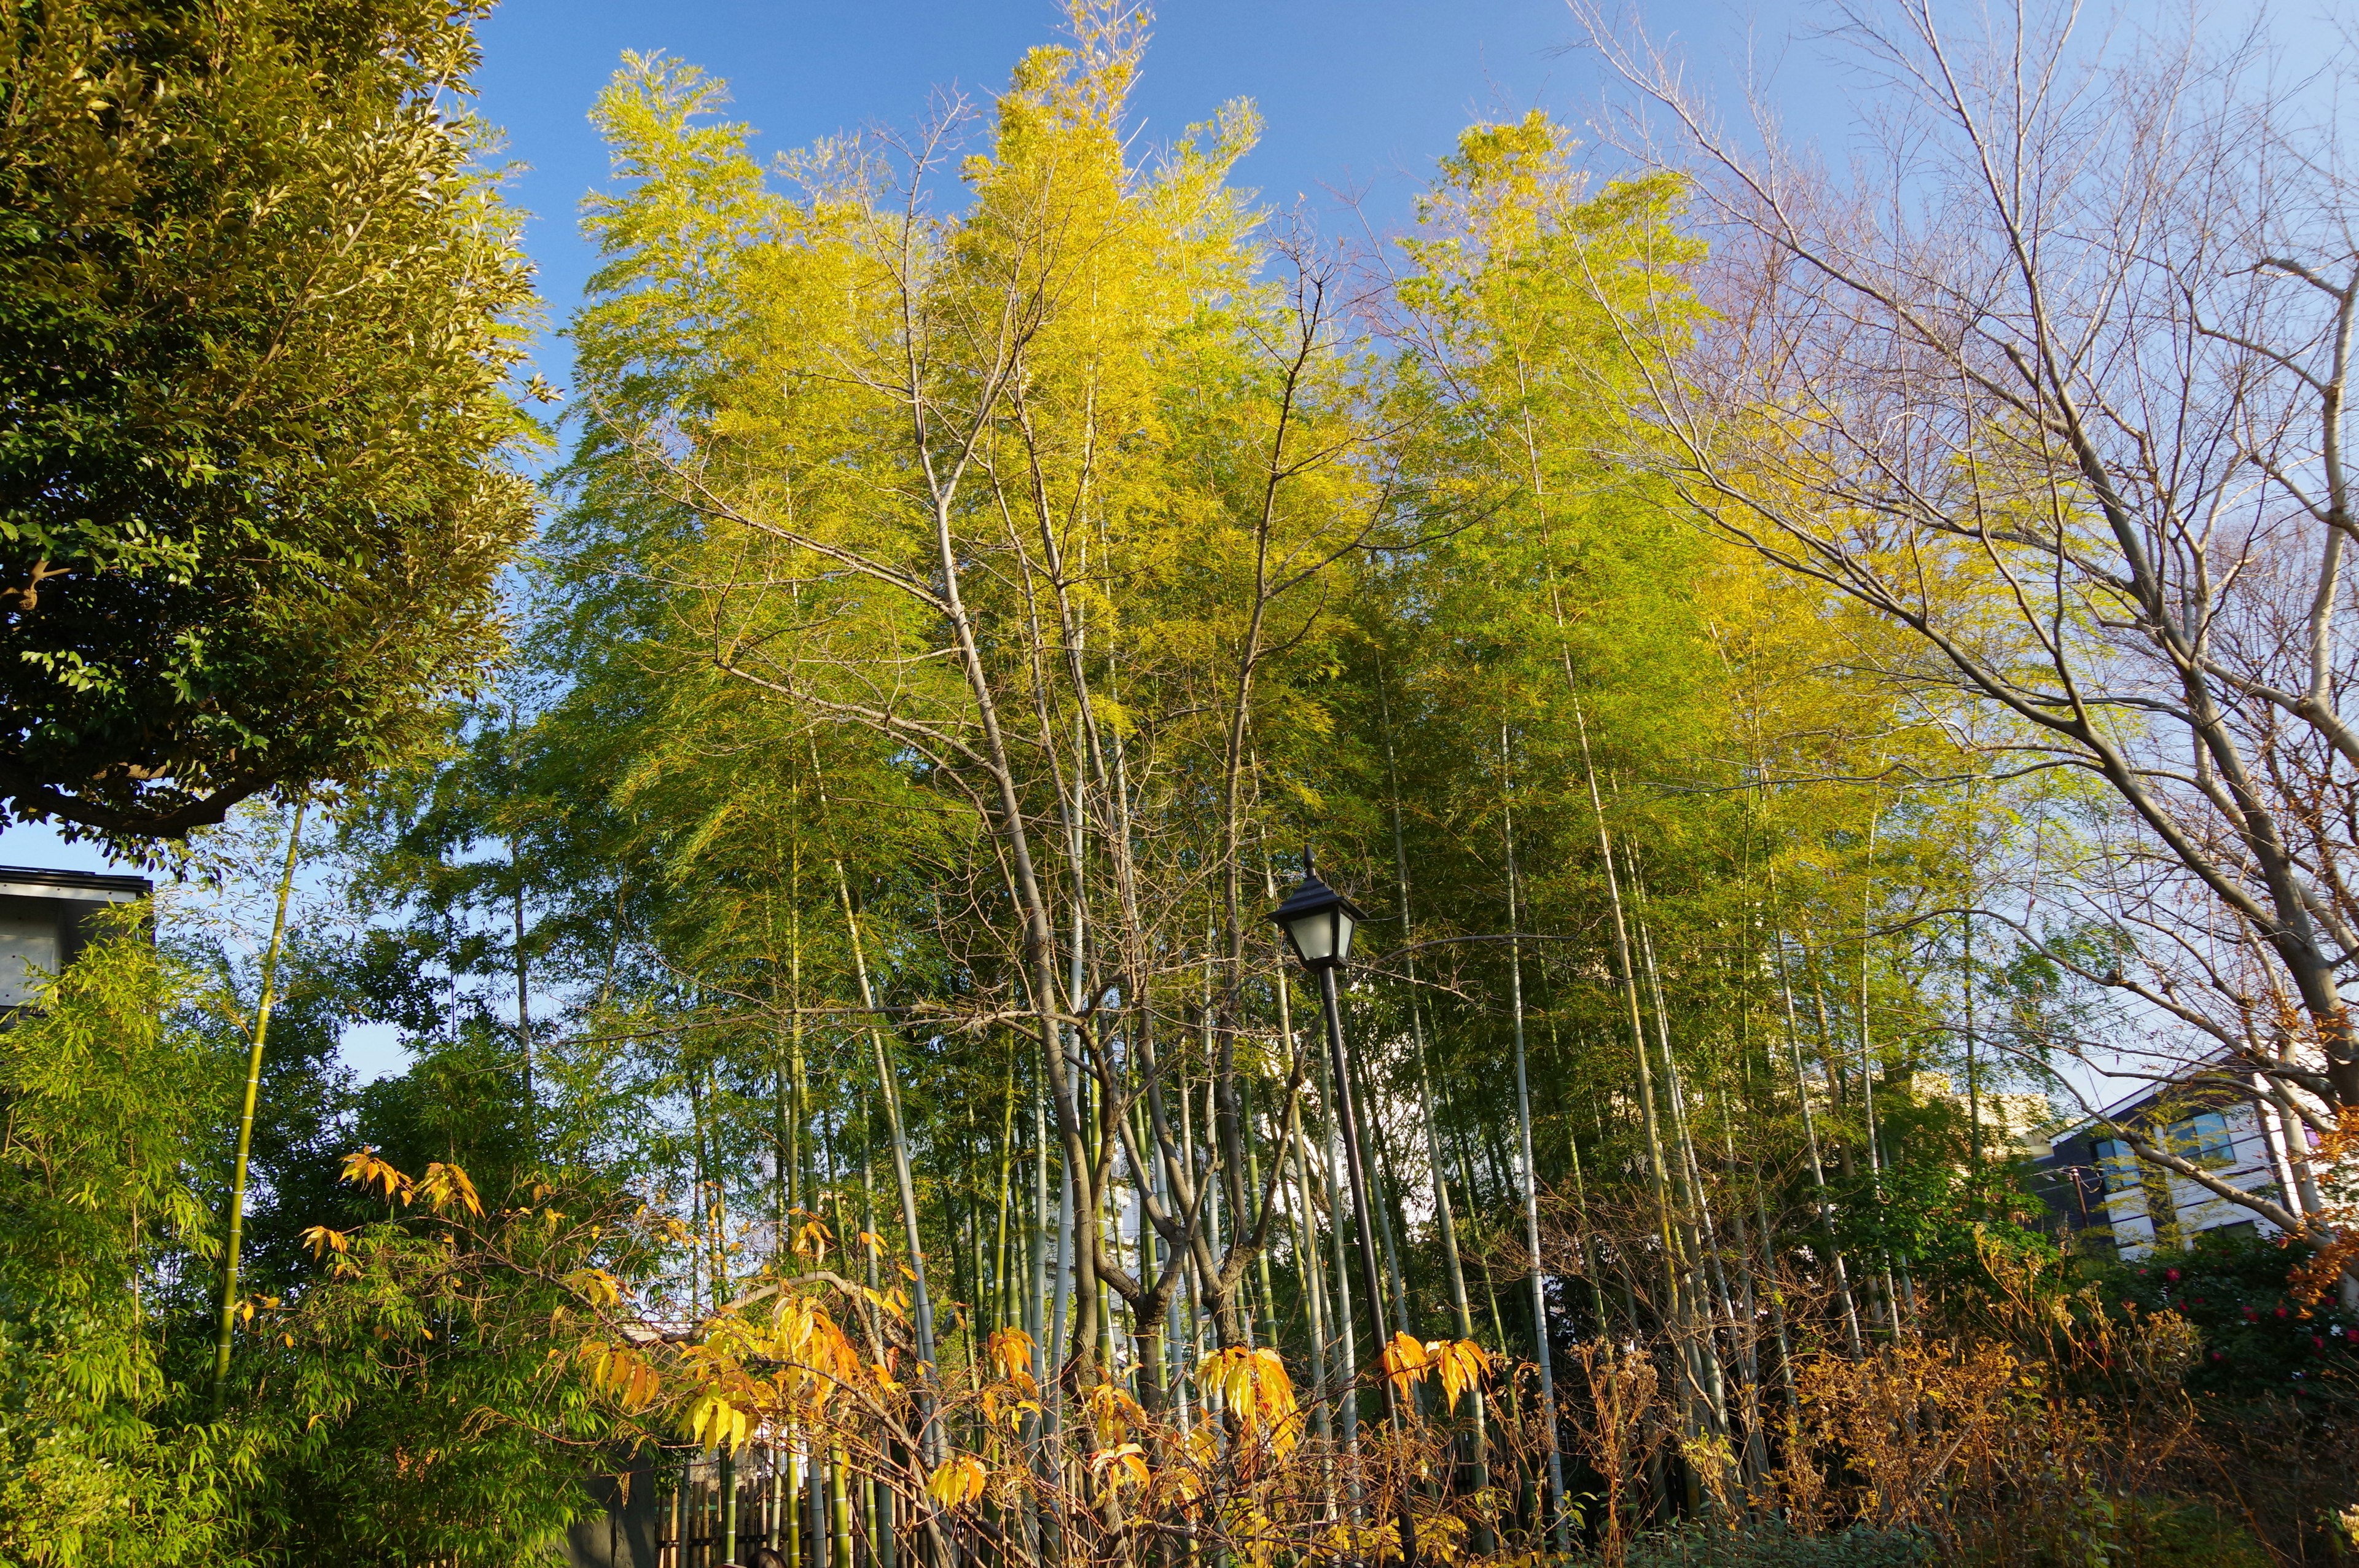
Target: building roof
{"type": "Point", "coordinates": [2138, 1099]}
{"type": "Point", "coordinates": [88, 887]}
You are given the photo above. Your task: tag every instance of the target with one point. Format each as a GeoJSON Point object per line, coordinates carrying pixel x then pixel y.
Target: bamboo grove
{"type": "Point", "coordinates": [859, 1093]}
{"type": "Point", "coordinates": [976, 613]}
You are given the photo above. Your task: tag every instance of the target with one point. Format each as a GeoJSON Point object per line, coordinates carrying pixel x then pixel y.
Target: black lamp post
{"type": "Point", "coordinates": [1319, 924]}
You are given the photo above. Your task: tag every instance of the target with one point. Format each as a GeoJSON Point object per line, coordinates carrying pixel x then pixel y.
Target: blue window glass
{"type": "Point", "coordinates": [2205, 1140]}
{"type": "Point", "coordinates": [2116, 1165]}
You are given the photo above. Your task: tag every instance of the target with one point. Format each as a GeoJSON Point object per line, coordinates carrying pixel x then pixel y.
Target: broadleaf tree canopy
{"type": "Point", "coordinates": [258, 305]}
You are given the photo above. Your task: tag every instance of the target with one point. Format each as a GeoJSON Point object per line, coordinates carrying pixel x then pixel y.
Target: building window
{"type": "Point", "coordinates": [2116, 1166]}
{"type": "Point", "coordinates": [2204, 1139]}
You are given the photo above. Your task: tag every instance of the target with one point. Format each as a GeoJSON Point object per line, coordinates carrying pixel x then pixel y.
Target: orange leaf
{"type": "Point", "coordinates": [322, 1240]}
{"type": "Point", "coordinates": [364, 1169]}
{"type": "Point", "coordinates": [1405, 1361]}
{"type": "Point", "coordinates": [961, 1479]}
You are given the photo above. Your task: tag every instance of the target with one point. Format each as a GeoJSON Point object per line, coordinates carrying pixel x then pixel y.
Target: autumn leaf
{"type": "Point", "coordinates": [600, 1288]}
{"type": "Point", "coordinates": [1255, 1386]}
{"type": "Point", "coordinates": [364, 1170]}
{"type": "Point", "coordinates": [445, 1185]}
{"type": "Point", "coordinates": [715, 1424]}
{"type": "Point", "coordinates": [620, 1370]}
{"type": "Point", "coordinates": [1462, 1364]}
{"type": "Point", "coordinates": [322, 1240]}
{"type": "Point", "coordinates": [1113, 1412]}
{"type": "Point", "coordinates": [1406, 1360]}
{"type": "Point", "coordinates": [959, 1479]}
{"type": "Point", "coordinates": [812, 1238]}
{"type": "Point", "coordinates": [1010, 1349]}
{"type": "Point", "coordinates": [1125, 1462]}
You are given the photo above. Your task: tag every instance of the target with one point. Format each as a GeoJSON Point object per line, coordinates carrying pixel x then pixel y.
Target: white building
{"type": "Point", "coordinates": [2112, 1202]}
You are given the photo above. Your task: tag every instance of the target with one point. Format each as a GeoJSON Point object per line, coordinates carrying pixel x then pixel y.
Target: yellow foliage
{"type": "Point", "coordinates": [1125, 1462]}
{"type": "Point", "coordinates": [1365, 1542]}
{"type": "Point", "coordinates": [812, 1238]}
{"type": "Point", "coordinates": [598, 1287]}
{"type": "Point", "coordinates": [1440, 1537]}
{"type": "Point", "coordinates": [959, 1479]}
{"type": "Point", "coordinates": [1113, 1413]}
{"type": "Point", "coordinates": [1010, 1350]}
{"type": "Point", "coordinates": [1461, 1364]}
{"type": "Point", "coordinates": [892, 1302]}
{"type": "Point", "coordinates": [1404, 1362]}
{"type": "Point", "coordinates": [716, 1424]}
{"type": "Point", "coordinates": [445, 1185]}
{"type": "Point", "coordinates": [322, 1240]}
{"type": "Point", "coordinates": [1259, 1393]}
{"type": "Point", "coordinates": [364, 1170]}
{"type": "Point", "coordinates": [622, 1371]}
{"type": "Point", "coordinates": [995, 1408]}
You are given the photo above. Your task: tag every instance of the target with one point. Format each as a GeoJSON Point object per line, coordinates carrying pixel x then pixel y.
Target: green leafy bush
{"type": "Point", "coordinates": [2257, 1338]}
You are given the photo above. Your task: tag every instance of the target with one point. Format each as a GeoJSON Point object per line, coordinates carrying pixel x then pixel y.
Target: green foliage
{"type": "Point", "coordinates": [2258, 1339]}
{"type": "Point", "coordinates": [109, 1109]}
{"type": "Point", "coordinates": [257, 302]}
{"type": "Point", "coordinates": [2127, 1532]}
{"type": "Point", "coordinates": [2180, 1532]}
{"type": "Point", "coordinates": [393, 1395]}
{"type": "Point", "coordinates": [431, 1413]}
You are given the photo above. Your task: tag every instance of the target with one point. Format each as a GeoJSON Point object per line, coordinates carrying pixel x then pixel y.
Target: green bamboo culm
{"type": "Point", "coordinates": [246, 1115]}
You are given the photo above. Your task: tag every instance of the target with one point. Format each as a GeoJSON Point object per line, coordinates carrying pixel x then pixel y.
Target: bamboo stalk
{"type": "Point", "coordinates": [263, 1002]}
{"type": "Point", "coordinates": [999, 1290]}
{"type": "Point", "coordinates": [1306, 1258]}
{"type": "Point", "coordinates": [1818, 1167]}
{"type": "Point", "coordinates": [1559, 1528]}
{"type": "Point", "coordinates": [1623, 957]}
{"type": "Point", "coordinates": [1703, 1250]}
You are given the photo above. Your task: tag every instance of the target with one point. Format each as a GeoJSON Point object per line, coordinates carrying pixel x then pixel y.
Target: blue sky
{"type": "Point", "coordinates": [1361, 95]}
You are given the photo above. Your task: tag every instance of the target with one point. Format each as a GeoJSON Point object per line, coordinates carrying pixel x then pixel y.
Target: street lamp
{"type": "Point", "coordinates": [1319, 924]}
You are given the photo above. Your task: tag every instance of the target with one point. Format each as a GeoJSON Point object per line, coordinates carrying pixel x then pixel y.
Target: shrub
{"type": "Point", "coordinates": [1770, 1544]}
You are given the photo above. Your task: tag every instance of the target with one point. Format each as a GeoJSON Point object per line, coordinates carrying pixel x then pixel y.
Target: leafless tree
{"type": "Point", "coordinates": [2053, 376]}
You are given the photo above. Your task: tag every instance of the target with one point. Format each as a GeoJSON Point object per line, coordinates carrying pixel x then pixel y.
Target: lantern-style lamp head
{"type": "Point", "coordinates": [1318, 922]}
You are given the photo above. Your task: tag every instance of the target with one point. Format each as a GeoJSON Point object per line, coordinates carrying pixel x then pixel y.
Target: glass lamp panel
{"type": "Point", "coordinates": [1345, 928]}
{"type": "Point", "coordinates": [1313, 935]}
